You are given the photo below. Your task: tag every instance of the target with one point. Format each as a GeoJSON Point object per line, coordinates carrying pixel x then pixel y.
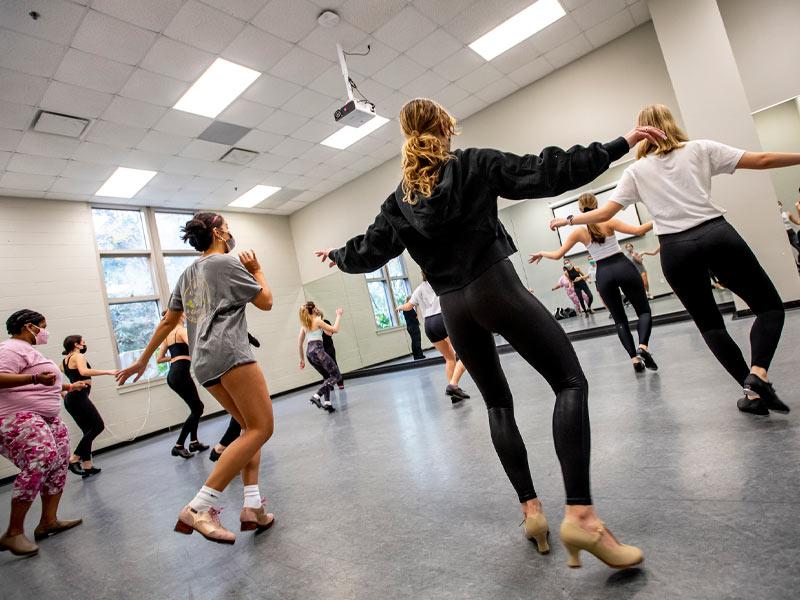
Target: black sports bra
{"type": "Point", "coordinates": [178, 349]}
{"type": "Point", "coordinates": [74, 374]}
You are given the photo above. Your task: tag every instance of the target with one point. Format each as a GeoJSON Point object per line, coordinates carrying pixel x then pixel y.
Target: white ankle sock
{"type": "Point", "coordinates": [252, 497]}
{"type": "Point", "coordinates": [206, 498]}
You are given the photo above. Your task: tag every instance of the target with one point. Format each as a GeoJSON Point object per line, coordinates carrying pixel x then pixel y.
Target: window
{"type": "Point", "coordinates": [141, 257]}
{"type": "Point", "coordinates": [389, 288]}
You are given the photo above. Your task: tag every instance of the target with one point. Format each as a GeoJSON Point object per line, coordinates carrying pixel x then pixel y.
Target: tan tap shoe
{"type": "Point", "coordinates": [575, 539]}
{"type": "Point", "coordinates": [43, 531]}
{"type": "Point", "coordinates": [256, 519]}
{"type": "Point", "coordinates": [206, 523]}
{"type": "Point", "coordinates": [18, 545]}
{"type": "Point", "coordinates": [536, 530]}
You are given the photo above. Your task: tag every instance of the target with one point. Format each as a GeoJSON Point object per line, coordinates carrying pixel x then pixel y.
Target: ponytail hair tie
{"type": "Point", "coordinates": [415, 133]}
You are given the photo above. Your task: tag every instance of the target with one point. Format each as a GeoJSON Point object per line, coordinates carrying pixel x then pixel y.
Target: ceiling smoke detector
{"type": "Point", "coordinates": [328, 18]}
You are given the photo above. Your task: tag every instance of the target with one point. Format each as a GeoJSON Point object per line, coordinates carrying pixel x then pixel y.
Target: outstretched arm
{"type": "Point", "coordinates": [604, 213]}
{"type": "Point", "coordinates": [652, 252]}
{"type": "Point", "coordinates": [572, 239]}
{"type": "Point", "coordinates": [624, 227]}
{"type": "Point", "coordinates": [768, 160]}
{"type": "Point", "coordinates": [83, 368]}
{"type": "Point", "coordinates": [167, 324]}
{"type": "Point", "coordinates": [331, 329]}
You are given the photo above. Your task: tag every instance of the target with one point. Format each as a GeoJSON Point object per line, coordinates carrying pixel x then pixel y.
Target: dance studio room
{"type": "Point", "coordinates": [399, 299]}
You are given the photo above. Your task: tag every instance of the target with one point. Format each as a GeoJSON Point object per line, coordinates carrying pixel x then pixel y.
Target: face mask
{"type": "Point", "coordinates": [83, 350]}
{"type": "Point", "coordinates": [41, 336]}
{"type": "Point", "coordinates": [230, 244]}
{"type": "Point", "coordinates": [591, 262]}
{"type": "Point", "coordinates": [567, 265]}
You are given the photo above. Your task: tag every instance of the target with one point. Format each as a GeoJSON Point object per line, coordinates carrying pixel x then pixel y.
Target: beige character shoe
{"type": "Point", "coordinates": [206, 523]}
{"type": "Point", "coordinates": [575, 539]}
{"type": "Point", "coordinates": [536, 530]}
{"type": "Point", "coordinates": [44, 531]}
{"type": "Point", "coordinates": [18, 545]}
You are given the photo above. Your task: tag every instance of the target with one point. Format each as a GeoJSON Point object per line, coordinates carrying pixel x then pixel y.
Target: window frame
{"type": "Point", "coordinates": [386, 279]}
{"type": "Point", "coordinates": [153, 253]}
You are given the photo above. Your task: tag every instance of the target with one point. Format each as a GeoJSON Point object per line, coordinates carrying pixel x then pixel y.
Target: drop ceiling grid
{"type": "Point", "coordinates": [125, 64]}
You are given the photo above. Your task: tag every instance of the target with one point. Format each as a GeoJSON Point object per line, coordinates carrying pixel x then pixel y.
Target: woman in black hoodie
{"type": "Point", "coordinates": [444, 212]}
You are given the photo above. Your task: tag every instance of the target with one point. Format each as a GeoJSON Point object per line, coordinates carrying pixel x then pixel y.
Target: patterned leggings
{"type": "Point", "coordinates": [39, 447]}
{"type": "Point", "coordinates": [323, 363]}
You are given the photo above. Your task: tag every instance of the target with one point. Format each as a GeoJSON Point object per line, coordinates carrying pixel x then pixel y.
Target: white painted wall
{"type": "Point", "coordinates": [48, 263]}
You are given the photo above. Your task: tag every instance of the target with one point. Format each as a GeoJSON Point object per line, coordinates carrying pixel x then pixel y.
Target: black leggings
{"type": "Point", "coordinates": [85, 414]}
{"type": "Point", "coordinates": [617, 273]}
{"type": "Point", "coordinates": [497, 302]}
{"type": "Point", "coordinates": [179, 379]}
{"type": "Point", "coordinates": [233, 431]}
{"type": "Point", "coordinates": [686, 259]}
{"type": "Point", "coordinates": [582, 286]}
{"type": "Point", "coordinates": [325, 366]}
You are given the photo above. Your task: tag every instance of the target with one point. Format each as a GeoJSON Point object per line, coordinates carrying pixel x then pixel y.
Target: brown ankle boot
{"type": "Point", "coordinates": [19, 545]}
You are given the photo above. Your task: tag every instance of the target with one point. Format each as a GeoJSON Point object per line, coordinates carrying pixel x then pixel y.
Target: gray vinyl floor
{"type": "Point", "coordinates": [400, 495]}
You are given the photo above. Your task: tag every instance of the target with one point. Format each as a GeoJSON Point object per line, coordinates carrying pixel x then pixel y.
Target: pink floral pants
{"type": "Point", "coordinates": [39, 447]}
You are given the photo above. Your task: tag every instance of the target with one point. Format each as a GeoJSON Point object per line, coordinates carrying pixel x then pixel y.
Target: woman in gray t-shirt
{"type": "Point", "coordinates": [213, 293]}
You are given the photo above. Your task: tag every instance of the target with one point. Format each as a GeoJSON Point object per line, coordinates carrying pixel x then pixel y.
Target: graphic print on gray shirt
{"type": "Point", "coordinates": [213, 292]}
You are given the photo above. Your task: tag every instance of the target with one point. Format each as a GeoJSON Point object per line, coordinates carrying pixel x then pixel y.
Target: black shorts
{"type": "Point", "coordinates": [434, 328]}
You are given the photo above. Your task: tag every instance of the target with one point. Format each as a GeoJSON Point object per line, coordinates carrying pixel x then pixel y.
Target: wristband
{"type": "Point", "coordinates": [569, 219]}
{"type": "Point", "coordinates": [69, 387]}
{"type": "Point", "coordinates": [34, 379]}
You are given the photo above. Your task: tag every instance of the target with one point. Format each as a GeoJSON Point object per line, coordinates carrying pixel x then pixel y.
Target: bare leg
{"type": "Point", "coordinates": [16, 520]}
{"type": "Point", "coordinates": [446, 350]}
{"type": "Point", "coordinates": [49, 509]}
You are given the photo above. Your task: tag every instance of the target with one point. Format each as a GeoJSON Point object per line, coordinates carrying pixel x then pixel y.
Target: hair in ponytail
{"type": "Point", "coordinates": [198, 230]}
{"type": "Point", "coordinates": [308, 314]}
{"type": "Point", "coordinates": [17, 321]}
{"type": "Point", "coordinates": [587, 202]}
{"type": "Point", "coordinates": [426, 125]}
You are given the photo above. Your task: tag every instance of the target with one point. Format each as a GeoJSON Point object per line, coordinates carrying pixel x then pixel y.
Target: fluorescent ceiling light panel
{"type": "Point", "coordinates": [256, 194]}
{"type": "Point", "coordinates": [220, 85]}
{"type": "Point", "coordinates": [125, 183]}
{"type": "Point", "coordinates": [347, 135]}
{"type": "Point", "coordinates": [518, 28]}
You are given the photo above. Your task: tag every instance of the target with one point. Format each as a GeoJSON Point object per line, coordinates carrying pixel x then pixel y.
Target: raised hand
{"type": "Point", "coordinates": [556, 223]}
{"type": "Point", "coordinates": [535, 258]}
{"type": "Point", "coordinates": [137, 369]}
{"type": "Point", "coordinates": [339, 312]}
{"type": "Point", "coordinates": [637, 134]}
{"type": "Point", "coordinates": [325, 255]}
{"type": "Point", "coordinates": [249, 261]}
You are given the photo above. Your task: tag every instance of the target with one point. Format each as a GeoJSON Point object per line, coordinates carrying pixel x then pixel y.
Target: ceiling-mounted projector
{"type": "Point", "coordinates": [355, 113]}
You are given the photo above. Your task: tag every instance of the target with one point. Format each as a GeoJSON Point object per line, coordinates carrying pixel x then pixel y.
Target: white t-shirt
{"type": "Point", "coordinates": [426, 299]}
{"type": "Point", "coordinates": [676, 187]}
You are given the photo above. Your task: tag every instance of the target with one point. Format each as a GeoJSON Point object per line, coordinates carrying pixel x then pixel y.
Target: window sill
{"type": "Point", "coordinates": [141, 385]}
{"type": "Point", "coordinates": [390, 330]}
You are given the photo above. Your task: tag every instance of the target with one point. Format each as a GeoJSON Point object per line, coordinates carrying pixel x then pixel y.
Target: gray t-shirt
{"type": "Point", "coordinates": [213, 293]}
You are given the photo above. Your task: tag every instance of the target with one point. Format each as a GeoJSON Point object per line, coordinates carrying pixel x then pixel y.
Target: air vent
{"type": "Point", "coordinates": [238, 156]}
{"type": "Point", "coordinates": [224, 133]}
{"type": "Point", "coordinates": [58, 124]}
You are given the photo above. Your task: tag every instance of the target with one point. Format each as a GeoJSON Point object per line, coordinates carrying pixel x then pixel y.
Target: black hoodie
{"type": "Point", "coordinates": [454, 234]}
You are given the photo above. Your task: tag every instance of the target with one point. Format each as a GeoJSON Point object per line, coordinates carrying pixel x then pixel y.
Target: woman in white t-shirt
{"type": "Point", "coordinates": [672, 178]}
{"type": "Point", "coordinates": [425, 299]}
{"type": "Point", "coordinates": [788, 218]}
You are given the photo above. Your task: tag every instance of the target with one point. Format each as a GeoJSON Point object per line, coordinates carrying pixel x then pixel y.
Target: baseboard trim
{"type": "Point", "coordinates": [742, 314]}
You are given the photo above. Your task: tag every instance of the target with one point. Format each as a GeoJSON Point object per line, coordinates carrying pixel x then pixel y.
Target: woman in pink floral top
{"type": "Point", "coordinates": [32, 436]}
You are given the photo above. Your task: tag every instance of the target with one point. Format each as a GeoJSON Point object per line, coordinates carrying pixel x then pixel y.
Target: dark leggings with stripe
{"type": "Point", "coordinates": [325, 365]}
{"type": "Point", "coordinates": [498, 302]}
{"type": "Point", "coordinates": [616, 273]}
{"type": "Point", "coordinates": [686, 259]}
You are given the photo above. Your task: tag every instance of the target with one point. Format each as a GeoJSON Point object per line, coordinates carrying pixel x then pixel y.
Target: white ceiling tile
{"type": "Point", "coordinates": [66, 196]}
{"type": "Point", "coordinates": [366, 163]}
{"type": "Point", "coordinates": [366, 146]}
{"type": "Point", "coordinates": [554, 35]}
{"type": "Point", "coordinates": [115, 134]}
{"type": "Point", "coordinates": [399, 72]}
{"type": "Point", "coordinates": [442, 12]}
{"type": "Point", "coordinates": [204, 27]}
{"type": "Point", "coordinates": [243, 9]}
{"type": "Point", "coordinates": [154, 15]}
{"type": "Point", "coordinates": [480, 78]}
{"type": "Point", "coordinates": [568, 52]}
{"type": "Point", "coordinates": [640, 12]}
{"type": "Point", "coordinates": [325, 186]}
{"type": "Point", "coordinates": [387, 151]}
{"type": "Point", "coordinates": [100, 153]}
{"type": "Point", "coordinates": [498, 89]}
{"type": "Point", "coordinates": [204, 150]}
{"type": "Point", "coordinates": [187, 197]}
{"type": "Point", "coordinates": [165, 143]}
{"type": "Point", "coordinates": [27, 54]}
{"type": "Point", "coordinates": [328, 3]}
{"type": "Point", "coordinates": [307, 103]}
{"type": "Point", "coordinates": [372, 90]}
{"type": "Point", "coordinates": [109, 37]}
{"type": "Point", "coordinates": [57, 23]}
{"type": "Point", "coordinates": [289, 208]}
{"type": "Point", "coordinates": [323, 171]}
{"type": "Point", "coordinates": [133, 112]}
{"type": "Point", "coordinates": [21, 87]}
{"type": "Point", "coordinates": [426, 85]}
{"type": "Point", "coordinates": [391, 130]}
{"type": "Point", "coordinates": [291, 20]}
{"type": "Point", "coordinates": [260, 141]}
{"type": "Point", "coordinates": [15, 116]}
{"type": "Point", "coordinates": [245, 113]}
{"type": "Point", "coordinates": [75, 186]}
{"type": "Point", "coordinates": [170, 181]}
{"type": "Point", "coordinates": [85, 171]}
{"type": "Point", "coordinates": [323, 40]}
{"type": "Point", "coordinates": [270, 162]}
{"type": "Point", "coordinates": [573, 4]}
{"type": "Point", "coordinates": [379, 56]}
{"type": "Point", "coordinates": [299, 166]}
{"type": "Point", "coordinates": [282, 122]}
{"type": "Point", "coordinates": [251, 175]}
{"type": "Point", "coordinates": [405, 29]}
{"type": "Point", "coordinates": [369, 16]}
{"type": "Point", "coordinates": [450, 95]}
{"type": "Point", "coordinates": [591, 14]}
{"type": "Point", "coordinates": [93, 72]}
{"type": "Point", "coordinates": [330, 83]}
{"type": "Point", "coordinates": [303, 182]}
{"type": "Point", "coordinates": [186, 166]}
{"type": "Point", "coordinates": [220, 170]}
{"type": "Point", "coordinates": [520, 55]}
{"type": "Point", "coordinates": [4, 158]}
{"type": "Point", "coordinates": [256, 49]}
{"type": "Point", "coordinates": [150, 193]}
{"type": "Point", "coordinates": [306, 197]}
{"type": "Point", "coordinates": [142, 159]}
{"type": "Point", "coordinates": [18, 193]}
{"type": "Point", "coordinates": [531, 72]}
{"type": "Point", "coordinates": [342, 159]}
{"type": "Point", "coordinates": [204, 184]}
{"type": "Point", "coordinates": [434, 48]}
{"type": "Point", "coordinates": [318, 154]}
{"type": "Point", "coordinates": [73, 100]}
{"type": "Point", "coordinates": [314, 131]}
{"type": "Point", "coordinates": [42, 144]}
{"type": "Point", "coordinates": [26, 181]}
{"type": "Point", "coordinates": [467, 107]}
{"type": "Point", "coordinates": [474, 21]}
{"type": "Point", "coordinates": [271, 91]}
{"type": "Point", "coordinates": [611, 29]}
{"type": "Point", "coordinates": [176, 59]}
{"type": "Point", "coordinates": [154, 88]}
{"type": "Point", "coordinates": [390, 107]}
{"type": "Point", "coordinates": [42, 165]}
{"type": "Point", "coordinates": [291, 148]}
{"type": "Point", "coordinates": [182, 123]}
{"type": "Point", "coordinates": [300, 66]}
{"type": "Point", "coordinates": [459, 64]}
